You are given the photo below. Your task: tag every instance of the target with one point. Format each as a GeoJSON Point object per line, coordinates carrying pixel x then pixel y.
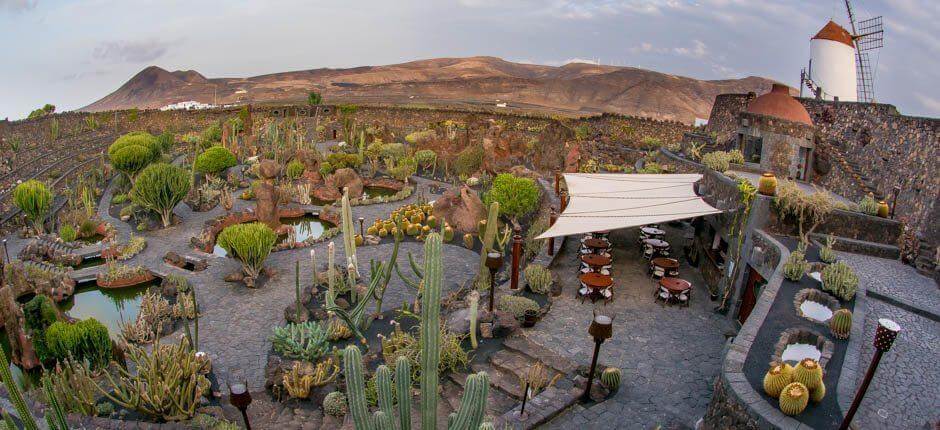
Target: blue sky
{"type": "Point", "coordinates": [71, 53]}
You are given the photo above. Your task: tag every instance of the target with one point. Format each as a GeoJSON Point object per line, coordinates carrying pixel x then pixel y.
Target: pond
{"type": "Point", "coordinates": [90, 262]}
{"type": "Point", "coordinates": [110, 307]}
{"type": "Point", "coordinates": [305, 227]}
{"type": "Point", "coordinates": [373, 192]}
{"type": "Point", "coordinates": [90, 240]}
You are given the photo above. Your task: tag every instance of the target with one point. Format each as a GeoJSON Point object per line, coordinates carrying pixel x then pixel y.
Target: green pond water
{"type": "Point", "coordinates": [90, 240]}
{"type": "Point", "coordinates": [90, 262]}
{"type": "Point", "coordinates": [373, 192]}
{"type": "Point", "coordinates": [305, 227]}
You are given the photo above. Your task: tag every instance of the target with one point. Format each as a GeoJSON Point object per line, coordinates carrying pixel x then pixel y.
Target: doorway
{"type": "Point", "coordinates": [752, 287]}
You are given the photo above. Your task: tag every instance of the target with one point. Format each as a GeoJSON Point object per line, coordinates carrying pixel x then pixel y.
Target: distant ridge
{"type": "Point", "coordinates": [575, 87]}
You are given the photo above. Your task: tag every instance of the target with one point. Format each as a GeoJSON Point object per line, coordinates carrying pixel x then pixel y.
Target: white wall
{"type": "Point", "coordinates": [833, 69]}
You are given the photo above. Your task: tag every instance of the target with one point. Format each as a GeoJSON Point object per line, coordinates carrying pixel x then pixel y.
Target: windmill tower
{"type": "Point", "coordinates": [839, 65]}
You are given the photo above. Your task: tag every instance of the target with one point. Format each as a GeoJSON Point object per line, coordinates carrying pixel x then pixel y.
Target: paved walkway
{"type": "Point", "coordinates": [904, 392]}
{"type": "Point", "coordinates": [670, 355]}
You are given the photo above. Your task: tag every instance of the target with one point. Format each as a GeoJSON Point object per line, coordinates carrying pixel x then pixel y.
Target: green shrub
{"type": "Point", "coordinates": [88, 228]}
{"type": "Point", "coordinates": [136, 138]}
{"type": "Point", "coordinates": [214, 160]}
{"type": "Point", "coordinates": [294, 169]}
{"type": "Point", "coordinates": [651, 167]}
{"type": "Point", "coordinates": [795, 266]}
{"type": "Point", "coordinates": [469, 160]}
{"type": "Point", "coordinates": [67, 233]}
{"type": "Point", "coordinates": [39, 313]}
{"type": "Point", "coordinates": [650, 143]}
{"type": "Point", "coordinates": [516, 196]}
{"type": "Point", "coordinates": [166, 141]}
{"type": "Point", "coordinates": [326, 168]}
{"type": "Point", "coordinates": [736, 156]}
{"type": "Point", "coordinates": [403, 170]}
{"type": "Point", "coordinates": [717, 161]}
{"type": "Point", "coordinates": [131, 159]}
{"type": "Point", "coordinates": [35, 200]}
{"type": "Point", "coordinates": [160, 187]}
{"type": "Point", "coordinates": [868, 205]}
{"type": "Point", "coordinates": [85, 340]}
{"type": "Point", "coordinates": [516, 305]}
{"type": "Point", "coordinates": [419, 136]}
{"type": "Point", "coordinates": [393, 150]}
{"type": "Point", "coordinates": [539, 278]}
{"type": "Point", "coordinates": [839, 279]}
{"type": "Point", "coordinates": [118, 199]}
{"type": "Point", "coordinates": [250, 243]}
{"type": "Point", "coordinates": [212, 135]}
{"type": "Point", "coordinates": [426, 158]}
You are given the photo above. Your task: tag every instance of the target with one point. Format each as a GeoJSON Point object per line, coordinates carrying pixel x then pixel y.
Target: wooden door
{"type": "Point", "coordinates": [749, 297]}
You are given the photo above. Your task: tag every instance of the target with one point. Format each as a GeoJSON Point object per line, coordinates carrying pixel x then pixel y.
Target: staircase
{"type": "Point", "coordinates": [852, 168]}
{"type": "Point", "coordinates": [46, 267]}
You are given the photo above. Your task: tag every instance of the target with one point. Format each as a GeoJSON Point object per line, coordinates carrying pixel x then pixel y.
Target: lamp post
{"type": "Point", "coordinates": [6, 254]}
{"type": "Point", "coordinates": [362, 231]}
{"type": "Point", "coordinates": [885, 334]}
{"type": "Point", "coordinates": [601, 329]}
{"type": "Point", "coordinates": [557, 183]}
{"type": "Point", "coordinates": [894, 199]}
{"type": "Point", "coordinates": [240, 398]}
{"type": "Point", "coordinates": [494, 260]}
{"type": "Point", "coordinates": [516, 256]}
{"type": "Point", "coordinates": [551, 241]}
{"type": "Point", "coordinates": [564, 200]}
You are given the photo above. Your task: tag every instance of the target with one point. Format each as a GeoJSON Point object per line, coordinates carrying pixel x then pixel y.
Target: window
{"type": "Point", "coordinates": [752, 149]}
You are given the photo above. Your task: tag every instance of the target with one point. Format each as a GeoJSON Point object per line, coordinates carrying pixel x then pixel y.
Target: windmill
{"type": "Point", "coordinates": [839, 65]}
{"type": "Point", "coordinates": [868, 36]}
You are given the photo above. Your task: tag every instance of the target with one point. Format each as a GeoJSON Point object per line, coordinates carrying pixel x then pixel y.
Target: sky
{"type": "Point", "coordinates": [71, 53]}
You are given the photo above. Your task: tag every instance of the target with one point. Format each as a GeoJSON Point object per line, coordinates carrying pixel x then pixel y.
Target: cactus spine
{"type": "Point", "coordinates": [841, 323]}
{"type": "Point", "coordinates": [403, 384]}
{"type": "Point", "coordinates": [472, 404]}
{"type": "Point", "coordinates": [611, 378]}
{"type": "Point", "coordinates": [777, 377]}
{"type": "Point", "coordinates": [488, 235]}
{"type": "Point", "coordinates": [793, 398]}
{"type": "Point", "coordinates": [15, 396]}
{"type": "Point", "coordinates": [356, 388]}
{"type": "Point", "coordinates": [487, 426]}
{"type": "Point", "coordinates": [809, 373]}
{"type": "Point", "coordinates": [382, 421]}
{"type": "Point", "coordinates": [474, 298]}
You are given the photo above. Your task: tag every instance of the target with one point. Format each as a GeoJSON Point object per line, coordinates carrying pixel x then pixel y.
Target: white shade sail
{"type": "Point", "coordinates": [609, 201]}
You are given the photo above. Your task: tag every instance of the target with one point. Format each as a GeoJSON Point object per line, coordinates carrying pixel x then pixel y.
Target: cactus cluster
{"type": "Point", "coordinates": [416, 220]}
{"type": "Point", "coordinates": [841, 323]}
{"type": "Point", "coordinates": [794, 398]}
{"type": "Point", "coordinates": [611, 378]}
{"type": "Point", "coordinates": [304, 376]}
{"type": "Point", "coordinates": [306, 341]}
{"type": "Point", "coordinates": [795, 266]}
{"type": "Point", "coordinates": [777, 377]}
{"type": "Point", "coordinates": [840, 280]}
{"type": "Point", "coordinates": [15, 396]}
{"type": "Point", "coordinates": [349, 240]}
{"type": "Point", "coordinates": [795, 386]}
{"type": "Point", "coordinates": [827, 254]}
{"type": "Point", "coordinates": [469, 415]}
{"type": "Point", "coordinates": [334, 404]}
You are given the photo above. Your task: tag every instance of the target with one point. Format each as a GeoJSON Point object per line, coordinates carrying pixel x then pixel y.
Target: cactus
{"type": "Point", "coordinates": [841, 323]}
{"type": "Point", "coordinates": [334, 404]}
{"type": "Point", "coordinates": [826, 253]}
{"type": "Point", "coordinates": [473, 403]}
{"type": "Point", "coordinates": [795, 266]}
{"type": "Point", "coordinates": [488, 236]}
{"type": "Point", "coordinates": [468, 240]}
{"type": "Point", "coordinates": [793, 398]}
{"type": "Point", "coordinates": [818, 394]}
{"type": "Point", "coordinates": [383, 383]}
{"type": "Point", "coordinates": [349, 244]}
{"type": "Point", "coordinates": [474, 298]}
{"type": "Point", "coordinates": [15, 396]}
{"type": "Point", "coordinates": [839, 279]}
{"type": "Point", "coordinates": [809, 373]}
{"type": "Point", "coordinates": [55, 420]}
{"type": "Point", "coordinates": [487, 426]}
{"type": "Point", "coordinates": [297, 302]}
{"type": "Point", "coordinates": [777, 377]}
{"type": "Point", "coordinates": [611, 378]}
{"type": "Point", "coordinates": [447, 233]}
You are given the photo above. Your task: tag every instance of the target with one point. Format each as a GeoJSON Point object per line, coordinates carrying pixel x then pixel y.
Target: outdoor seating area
{"type": "Point", "coordinates": [596, 282]}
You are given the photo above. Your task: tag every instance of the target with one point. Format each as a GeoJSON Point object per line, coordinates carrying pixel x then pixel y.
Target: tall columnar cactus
{"type": "Point", "coordinates": [331, 270]}
{"type": "Point", "coordinates": [473, 403]}
{"type": "Point", "coordinates": [474, 298]}
{"type": "Point", "coordinates": [55, 415]}
{"type": "Point", "coordinates": [378, 281]}
{"type": "Point", "coordinates": [489, 233]}
{"type": "Point", "coordinates": [383, 384]}
{"type": "Point", "coordinates": [841, 323]}
{"type": "Point", "coordinates": [297, 303]}
{"type": "Point", "coordinates": [15, 396]}
{"type": "Point", "coordinates": [313, 264]}
{"type": "Point", "coordinates": [349, 235]}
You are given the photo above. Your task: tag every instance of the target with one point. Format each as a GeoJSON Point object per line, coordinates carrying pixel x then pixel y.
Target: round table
{"type": "Point", "coordinates": [596, 284]}
{"type": "Point", "coordinates": [665, 263]}
{"type": "Point", "coordinates": [651, 231]}
{"type": "Point", "coordinates": [596, 261]}
{"type": "Point", "coordinates": [675, 285]}
{"type": "Point", "coordinates": [596, 244]}
{"type": "Point", "coordinates": [656, 243]}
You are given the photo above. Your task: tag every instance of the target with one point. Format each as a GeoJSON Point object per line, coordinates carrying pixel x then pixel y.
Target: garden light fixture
{"type": "Point", "coordinates": [601, 329]}
{"type": "Point", "coordinates": [240, 398]}
{"type": "Point", "coordinates": [494, 260]}
{"type": "Point", "coordinates": [885, 334]}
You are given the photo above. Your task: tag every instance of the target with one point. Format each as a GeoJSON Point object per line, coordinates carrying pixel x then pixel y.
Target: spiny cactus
{"type": "Point", "coordinates": [826, 253]}
{"type": "Point", "coordinates": [473, 403]}
{"type": "Point", "coordinates": [809, 373]}
{"type": "Point", "coordinates": [15, 396]}
{"type": "Point", "coordinates": [474, 298]}
{"type": "Point", "coordinates": [335, 404]}
{"type": "Point", "coordinates": [297, 302]}
{"type": "Point", "coordinates": [841, 323]}
{"type": "Point", "coordinates": [793, 398]}
{"type": "Point", "coordinates": [795, 266]}
{"type": "Point", "coordinates": [818, 394]}
{"type": "Point", "coordinates": [468, 240]}
{"type": "Point", "coordinates": [349, 244]}
{"type": "Point", "coordinates": [839, 279]}
{"type": "Point", "coordinates": [55, 417]}
{"type": "Point", "coordinates": [611, 378]}
{"type": "Point", "coordinates": [777, 377]}
{"type": "Point", "coordinates": [488, 235]}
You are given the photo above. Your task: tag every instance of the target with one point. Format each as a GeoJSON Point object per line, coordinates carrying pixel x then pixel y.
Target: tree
{"type": "Point", "coordinates": [160, 187]}
{"type": "Point", "coordinates": [214, 160]}
{"type": "Point", "coordinates": [516, 196]}
{"type": "Point", "coordinates": [34, 199]}
{"type": "Point", "coordinates": [314, 98]}
{"type": "Point", "coordinates": [250, 243]}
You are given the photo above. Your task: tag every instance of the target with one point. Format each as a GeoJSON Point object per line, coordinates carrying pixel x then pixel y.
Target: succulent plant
{"type": "Point", "coordinates": [818, 394]}
{"type": "Point", "coordinates": [777, 377]}
{"type": "Point", "coordinates": [809, 373]}
{"type": "Point", "coordinates": [795, 266]}
{"type": "Point", "coordinates": [335, 404]}
{"type": "Point", "coordinates": [611, 378]}
{"type": "Point", "coordinates": [826, 253]}
{"type": "Point", "coordinates": [839, 279]}
{"type": "Point", "coordinates": [468, 240]}
{"type": "Point", "coordinates": [841, 323]}
{"type": "Point", "coordinates": [794, 398]}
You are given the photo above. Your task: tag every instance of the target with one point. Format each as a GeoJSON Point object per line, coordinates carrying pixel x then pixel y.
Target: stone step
{"type": "Point", "coordinates": [523, 345]}
{"type": "Point", "coordinates": [500, 379]}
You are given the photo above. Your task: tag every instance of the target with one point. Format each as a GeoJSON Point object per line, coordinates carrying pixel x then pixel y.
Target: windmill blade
{"type": "Point", "coordinates": [870, 34]}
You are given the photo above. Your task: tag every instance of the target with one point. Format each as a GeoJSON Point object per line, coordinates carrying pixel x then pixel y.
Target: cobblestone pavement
{"type": "Point", "coordinates": [669, 355]}
{"type": "Point", "coordinates": [904, 392]}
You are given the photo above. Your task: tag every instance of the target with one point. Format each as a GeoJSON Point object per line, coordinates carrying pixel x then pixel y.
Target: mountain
{"type": "Point", "coordinates": [572, 88]}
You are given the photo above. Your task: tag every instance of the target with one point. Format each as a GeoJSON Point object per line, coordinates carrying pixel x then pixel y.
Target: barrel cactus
{"type": "Point", "coordinates": [841, 323]}
{"type": "Point", "coordinates": [809, 373]}
{"type": "Point", "coordinates": [777, 377]}
{"type": "Point", "coordinates": [611, 377]}
{"type": "Point", "coordinates": [818, 394]}
{"type": "Point", "coordinates": [468, 240]}
{"type": "Point", "coordinates": [794, 398]}
{"type": "Point", "coordinates": [335, 404]}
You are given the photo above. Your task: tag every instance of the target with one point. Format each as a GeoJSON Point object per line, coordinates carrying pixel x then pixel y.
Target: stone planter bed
{"type": "Point", "coordinates": [125, 282]}
{"type": "Point", "coordinates": [783, 317]}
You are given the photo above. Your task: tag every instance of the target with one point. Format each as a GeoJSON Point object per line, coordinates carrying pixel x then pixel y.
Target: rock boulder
{"type": "Point", "coordinates": [462, 209]}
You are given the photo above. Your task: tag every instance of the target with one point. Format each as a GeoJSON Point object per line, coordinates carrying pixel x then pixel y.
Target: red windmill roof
{"type": "Point", "coordinates": [835, 32]}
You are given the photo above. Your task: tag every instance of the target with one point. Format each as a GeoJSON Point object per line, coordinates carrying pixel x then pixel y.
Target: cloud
{"type": "Point", "coordinates": [697, 50]}
{"type": "Point", "coordinates": [17, 5]}
{"type": "Point", "coordinates": [647, 47]}
{"type": "Point", "coordinates": [930, 103]}
{"type": "Point", "coordinates": [130, 52]}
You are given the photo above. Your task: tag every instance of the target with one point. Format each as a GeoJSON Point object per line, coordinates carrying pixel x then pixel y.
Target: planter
{"type": "Point", "coordinates": [883, 209]}
{"type": "Point", "coordinates": [125, 282]}
{"type": "Point", "coordinates": [530, 318]}
{"type": "Point", "coordinates": [767, 184]}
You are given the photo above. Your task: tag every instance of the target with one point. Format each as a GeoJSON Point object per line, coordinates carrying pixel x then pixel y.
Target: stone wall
{"type": "Point", "coordinates": [881, 149]}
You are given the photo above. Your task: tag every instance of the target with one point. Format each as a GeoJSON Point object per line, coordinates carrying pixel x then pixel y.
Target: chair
{"type": "Point", "coordinates": [648, 252]}
{"type": "Point", "coordinates": [686, 296]}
